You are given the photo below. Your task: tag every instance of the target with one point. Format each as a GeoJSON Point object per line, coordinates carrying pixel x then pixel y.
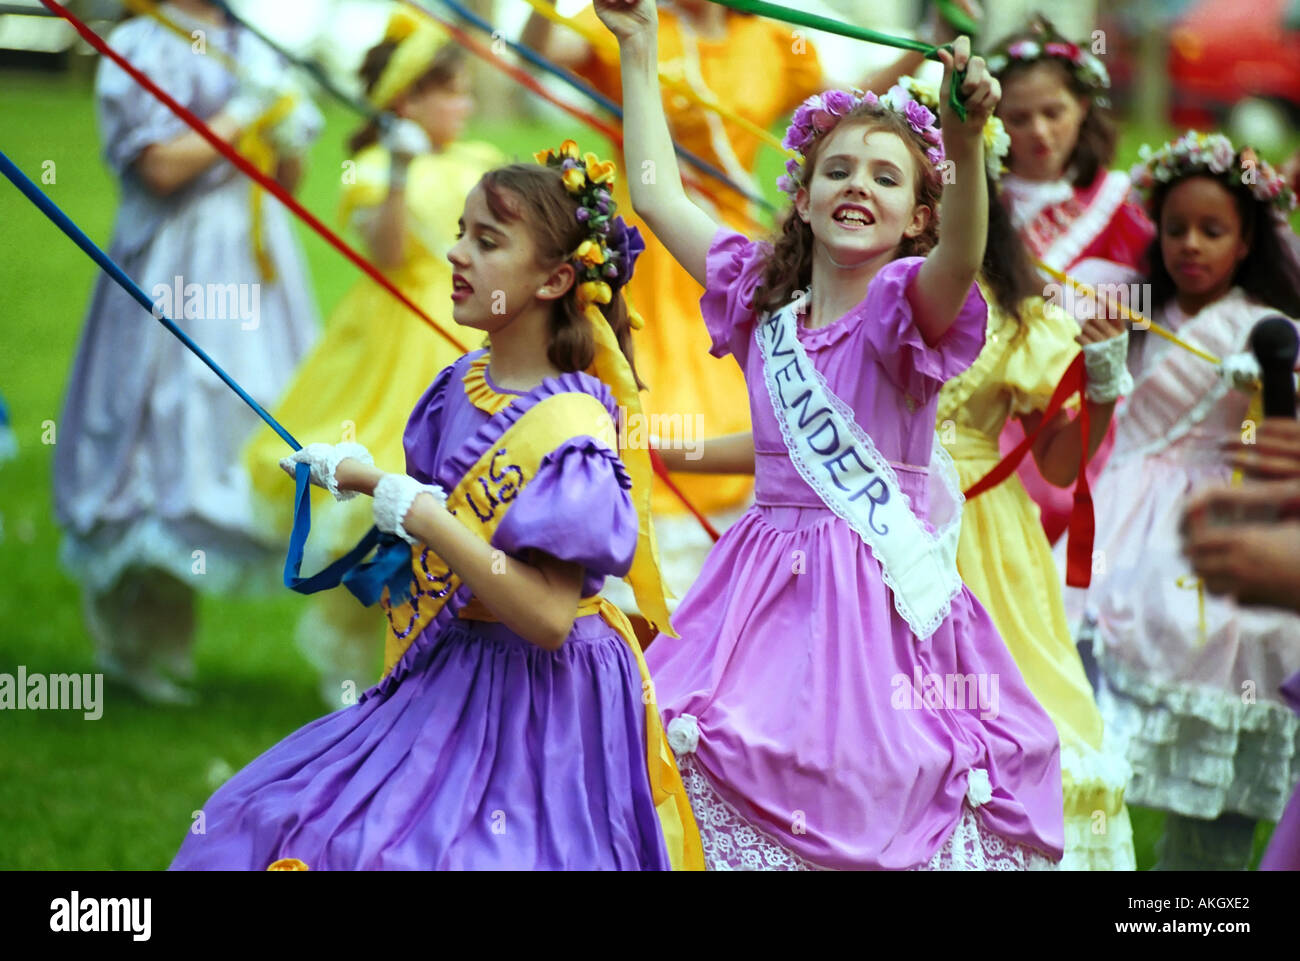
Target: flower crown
{"type": "Point", "coordinates": [997, 142]}
{"type": "Point", "coordinates": [821, 113]}
{"type": "Point", "coordinates": [1195, 152]}
{"type": "Point", "coordinates": [1086, 68]}
{"type": "Point", "coordinates": [607, 258]}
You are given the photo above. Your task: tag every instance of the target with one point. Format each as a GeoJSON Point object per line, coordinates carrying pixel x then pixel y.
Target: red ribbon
{"type": "Point", "coordinates": [1082, 521]}
{"type": "Point", "coordinates": [661, 469]}
{"type": "Point", "coordinates": [247, 168]}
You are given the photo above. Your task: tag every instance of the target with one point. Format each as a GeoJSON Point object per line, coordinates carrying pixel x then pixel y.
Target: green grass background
{"type": "Point", "coordinates": [119, 792]}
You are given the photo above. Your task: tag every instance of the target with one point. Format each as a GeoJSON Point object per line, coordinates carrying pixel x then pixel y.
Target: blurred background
{"type": "Point", "coordinates": [118, 793]}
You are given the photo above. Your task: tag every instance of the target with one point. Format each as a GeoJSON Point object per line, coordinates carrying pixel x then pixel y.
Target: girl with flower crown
{"type": "Point", "coordinates": [1191, 680]}
{"type": "Point", "coordinates": [377, 356]}
{"type": "Point", "coordinates": [510, 729]}
{"type": "Point", "coordinates": [822, 696]}
{"type": "Point", "coordinates": [1073, 213]}
{"type": "Point", "coordinates": [1003, 555]}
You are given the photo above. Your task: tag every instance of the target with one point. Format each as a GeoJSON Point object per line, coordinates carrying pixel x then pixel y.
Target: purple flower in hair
{"type": "Point", "coordinates": [934, 155]}
{"type": "Point", "coordinates": [838, 102]}
{"type": "Point", "coordinates": [626, 243]}
{"type": "Point", "coordinates": [918, 115]}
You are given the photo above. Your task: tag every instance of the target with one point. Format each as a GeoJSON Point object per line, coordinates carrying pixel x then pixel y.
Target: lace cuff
{"type": "Point", "coordinates": [324, 460]}
{"type": "Point", "coordinates": [1106, 363]}
{"type": "Point", "coordinates": [394, 495]}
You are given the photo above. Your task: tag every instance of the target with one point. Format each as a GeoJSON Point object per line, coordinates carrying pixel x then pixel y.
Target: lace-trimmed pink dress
{"type": "Point", "coordinates": [790, 693]}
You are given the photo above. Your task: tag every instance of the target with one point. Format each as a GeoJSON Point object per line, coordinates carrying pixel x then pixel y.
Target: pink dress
{"type": "Point", "coordinates": [1097, 235]}
{"type": "Point", "coordinates": [1191, 680]}
{"type": "Point", "coordinates": [789, 694]}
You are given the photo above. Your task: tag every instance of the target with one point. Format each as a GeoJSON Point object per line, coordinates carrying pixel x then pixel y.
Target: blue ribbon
{"type": "Point", "coordinates": [391, 566]}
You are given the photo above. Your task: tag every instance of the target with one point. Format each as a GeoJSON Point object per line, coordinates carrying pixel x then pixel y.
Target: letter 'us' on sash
{"type": "Point", "coordinates": [841, 463]}
{"type": "Point", "coordinates": [482, 497]}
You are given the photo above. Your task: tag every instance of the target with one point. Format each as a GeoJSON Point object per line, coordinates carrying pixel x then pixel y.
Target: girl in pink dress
{"type": "Point", "coordinates": [837, 698]}
{"type": "Point", "coordinates": [1074, 214]}
{"type": "Point", "coordinates": [1192, 680]}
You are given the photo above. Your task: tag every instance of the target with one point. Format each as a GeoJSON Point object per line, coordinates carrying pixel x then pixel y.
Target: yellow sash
{"type": "Point", "coordinates": [480, 501]}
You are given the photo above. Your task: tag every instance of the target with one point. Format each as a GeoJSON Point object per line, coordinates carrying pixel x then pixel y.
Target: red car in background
{"type": "Point", "coordinates": [1224, 54]}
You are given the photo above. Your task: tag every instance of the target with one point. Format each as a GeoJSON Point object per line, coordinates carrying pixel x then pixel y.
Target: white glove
{"type": "Point", "coordinates": [1241, 371]}
{"type": "Point", "coordinates": [394, 495]}
{"type": "Point", "coordinates": [295, 133]}
{"type": "Point", "coordinates": [405, 138]}
{"type": "Point", "coordinates": [1107, 365]}
{"type": "Point", "coordinates": [324, 460]}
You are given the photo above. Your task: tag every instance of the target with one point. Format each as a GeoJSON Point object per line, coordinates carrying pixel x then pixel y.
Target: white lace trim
{"type": "Point", "coordinates": [1066, 248]}
{"type": "Point", "coordinates": [1029, 198]}
{"type": "Point", "coordinates": [943, 541]}
{"type": "Point", "coordinates": [394, 495]}
{"type": "Point", "coordinates": [733, 844]}
{"type": "Point", "coordinates": [1106, 364]}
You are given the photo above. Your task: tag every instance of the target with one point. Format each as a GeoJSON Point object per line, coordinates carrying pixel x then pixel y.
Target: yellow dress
{"type": "Point", "coordinates": [1005, 560]}
{"type": "Point", "coordinates": [360, 383]}
{"type": "Point", "coordinates": [760, 72]}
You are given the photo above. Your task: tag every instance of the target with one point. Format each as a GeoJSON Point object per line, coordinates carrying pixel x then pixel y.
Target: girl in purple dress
{"type": "Point", "coordinates": [837, 698]}
{"type": "Point", "coordinates": [510, 729]}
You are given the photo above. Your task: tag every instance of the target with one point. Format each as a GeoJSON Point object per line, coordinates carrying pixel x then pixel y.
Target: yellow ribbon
{"type": "Point", "coordinates": [681, 834]}
{"type": "Point", "coordinates": [611, 366]}
{"type": "Point", "coordinates": [418, 43]}
{"type": "Point", "coordinates": [606, 43]}
{"type": "Point", "coordinates": [254, 145]}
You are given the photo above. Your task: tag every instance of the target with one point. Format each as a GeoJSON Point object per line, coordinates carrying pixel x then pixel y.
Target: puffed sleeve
{"type": "Point", "coordinates": [916, 368]}
{"type": "Point", "coordinates": [1042, 349]}
{"type": "Point", "coordinates": [577, 508]}
{"type": "Point", "coordinates": [366, 188]}
{"type": "Point", "coordinates": [733, 272]}
{"type": "Point", "coordinates": [129, 118]}
{"type": "Point", "coordinates": [424, 428]}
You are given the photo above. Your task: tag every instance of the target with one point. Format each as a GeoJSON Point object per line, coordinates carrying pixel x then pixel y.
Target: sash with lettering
{"type": "Point", "coordinates": [480, 501]}
{"type": "Point", "coordinates": [840, 462]}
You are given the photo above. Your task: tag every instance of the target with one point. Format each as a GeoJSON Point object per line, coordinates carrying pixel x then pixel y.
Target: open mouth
{"type": "Point", "coordinates": [851, 215]}
{"type": "Point", "coordinates": [460, 288]}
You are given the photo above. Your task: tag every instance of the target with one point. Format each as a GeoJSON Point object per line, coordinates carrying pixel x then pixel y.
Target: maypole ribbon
{"type": "Point", "coordinates": [547, 66]}
{"type": "Point", "coordinates": [390, 566]}
{"type": "Point", "coordinates": [814, 21]}
{"type": "Point", "coordinates": [248, 169]}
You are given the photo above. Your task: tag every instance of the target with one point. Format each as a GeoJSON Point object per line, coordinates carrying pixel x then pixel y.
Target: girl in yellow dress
{"type": "Point", "coordinates": [404, 192]}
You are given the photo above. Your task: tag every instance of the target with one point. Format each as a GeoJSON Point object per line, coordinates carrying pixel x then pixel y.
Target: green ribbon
{"type": "Point", "coordinates": [813, 21]}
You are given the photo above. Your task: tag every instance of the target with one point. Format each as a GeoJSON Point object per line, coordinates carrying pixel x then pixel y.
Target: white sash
{"type": "Point", "coordinates": [839, 461]}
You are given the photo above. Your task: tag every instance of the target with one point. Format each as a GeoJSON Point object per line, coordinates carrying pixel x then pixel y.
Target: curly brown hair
{"type": "Point", "coordinates": [447, 63]}
{"type": "Point", "coordinates": [535, 197]}
{"type": "Point", "coordinates": [789, 264]}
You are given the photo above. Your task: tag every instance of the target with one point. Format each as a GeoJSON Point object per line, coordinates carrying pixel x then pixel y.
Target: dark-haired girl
{"type": "Point", "coordinates": [513, 728]}
{"type": "Point", "coordinates": [1191, 680]}
{"type": "Point", "coordinates": [1071, 210]}
{"type": "Point", "coordinates": [377, 356]}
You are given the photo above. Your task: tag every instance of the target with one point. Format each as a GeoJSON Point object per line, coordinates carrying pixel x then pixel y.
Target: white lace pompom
{"type": "Point", "coordinates": [1107, 366]}
{"type": "Point", "coordinates": [979, 789]}
{"type": "Point", "coordinates": [683, 734]}
{"type": "Point", "coordinates": [394, 495]}
{"type": "Point", "coordinates": [1241, 371]}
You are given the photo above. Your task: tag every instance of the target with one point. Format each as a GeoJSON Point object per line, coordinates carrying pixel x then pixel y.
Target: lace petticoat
{"type": "Point", "coordinates": [732, 844]}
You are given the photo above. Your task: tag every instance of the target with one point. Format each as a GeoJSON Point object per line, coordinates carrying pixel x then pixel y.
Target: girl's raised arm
{"type": "Point", "coordinates": [943, 282]}
{"type": "Point", "coordinates": [653, 177]}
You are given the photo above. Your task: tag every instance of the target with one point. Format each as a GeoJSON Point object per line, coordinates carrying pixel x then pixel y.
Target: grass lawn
{"type": "Point", "coordinates": [119, 793]}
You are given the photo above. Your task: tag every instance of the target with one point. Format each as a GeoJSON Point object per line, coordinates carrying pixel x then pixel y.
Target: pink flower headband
{"type": "Point", "coordinates": [1212, 153]}
{"type": "Point", "coordinates": [821, 113]}
{"type": "Point", "coordinates": [1086, 67]}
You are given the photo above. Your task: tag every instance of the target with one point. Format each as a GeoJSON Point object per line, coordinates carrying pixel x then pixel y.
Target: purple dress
{"type": "Point", "coordinates": [480, 750]}
{"type": "Point", "coordinates": [792, 656]}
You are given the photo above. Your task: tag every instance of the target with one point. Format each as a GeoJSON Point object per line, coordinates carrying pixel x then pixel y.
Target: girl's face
{"type": "Point", "coordinates": [1042, 116]}
{"type": "Point", "coordinates": [441, 110]}
{"type": "Point", "coordinates": [495, 272]}
{"type": "Point", "coordinates": [1201, 240]}
{"type": "Point", "coordinates": [861, 200]}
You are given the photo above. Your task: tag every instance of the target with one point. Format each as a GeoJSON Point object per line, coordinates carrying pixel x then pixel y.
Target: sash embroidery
{"type": "Point", "coordinates": [841, 463]}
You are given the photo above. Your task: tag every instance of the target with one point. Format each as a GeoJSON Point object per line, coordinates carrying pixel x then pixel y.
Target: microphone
{"type": "Point", "coordinates": [1274, 343]}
